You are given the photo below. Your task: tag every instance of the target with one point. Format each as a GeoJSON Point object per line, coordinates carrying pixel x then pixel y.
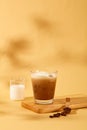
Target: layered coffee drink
{"type": "Point", "coordinates": [43, 86]}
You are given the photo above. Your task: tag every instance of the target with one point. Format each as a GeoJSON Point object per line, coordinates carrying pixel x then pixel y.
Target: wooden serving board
{"type": "Point", "coordinates": [76, 102]}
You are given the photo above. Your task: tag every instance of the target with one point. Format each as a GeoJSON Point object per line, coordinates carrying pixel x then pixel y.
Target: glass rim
{"type": "Point", "coordinates": [47, 71]}
{"type": "Point", "coordinates": [17, 80]}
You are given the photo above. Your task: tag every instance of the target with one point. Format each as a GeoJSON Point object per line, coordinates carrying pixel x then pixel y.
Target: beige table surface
{"type": "Point", "coordinates": [13, 116]}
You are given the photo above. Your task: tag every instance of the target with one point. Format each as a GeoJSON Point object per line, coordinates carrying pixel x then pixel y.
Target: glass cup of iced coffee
{"type": "Point", "coordinates": [43, 84]}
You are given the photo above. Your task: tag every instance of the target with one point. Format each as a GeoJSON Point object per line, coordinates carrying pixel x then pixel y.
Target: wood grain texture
{"type": "Point", "coordinates": [76, 102]}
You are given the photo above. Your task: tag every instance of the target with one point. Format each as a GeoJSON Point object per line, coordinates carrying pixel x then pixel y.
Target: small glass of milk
{"type": "Point", "coordinates": [17, 88]}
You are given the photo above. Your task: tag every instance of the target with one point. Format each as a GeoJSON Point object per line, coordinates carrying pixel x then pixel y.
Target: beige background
{"type": "Point", "coordinates": [42, 34]}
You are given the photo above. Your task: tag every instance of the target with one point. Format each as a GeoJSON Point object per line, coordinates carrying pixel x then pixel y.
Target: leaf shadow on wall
{"type": "Point", "coordinates": [15, 59]}
{"type": "Point", "coordinates": [46, 26]}
{"type": "Point", "coordinates": [66, 56]}
{"type": "Point", "coordinates": [17, 51]}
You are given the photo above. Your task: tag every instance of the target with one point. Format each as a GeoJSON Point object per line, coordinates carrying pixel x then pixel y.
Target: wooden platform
{"type": "Point", "coordinates": [76, 102]}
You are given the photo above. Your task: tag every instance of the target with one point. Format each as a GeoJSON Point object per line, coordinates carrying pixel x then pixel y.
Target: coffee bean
{"type": "Point", "coordinates": [67, 110]}
{"type": "Point", "coordinates": [51, 116]}
{"type": "Point", "coordinates": [57, 115]}
{"type": "Point", "coordinates": [63, 113]}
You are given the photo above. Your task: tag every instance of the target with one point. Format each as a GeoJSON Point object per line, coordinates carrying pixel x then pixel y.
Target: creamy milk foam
{"type": "Point", "coordinates": [41, 74]}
